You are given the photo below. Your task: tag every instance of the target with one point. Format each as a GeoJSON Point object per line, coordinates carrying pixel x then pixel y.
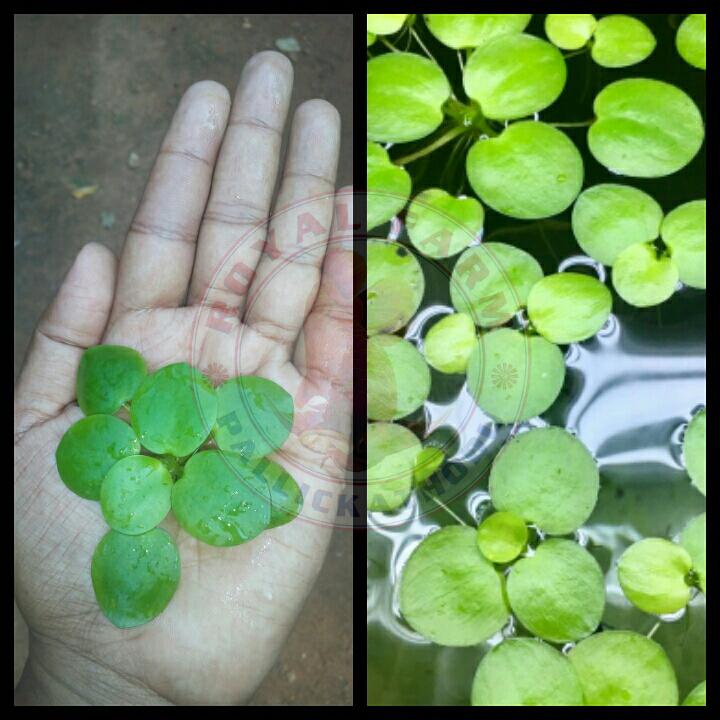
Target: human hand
{"type": "Point", "coordinates": [202, 279]}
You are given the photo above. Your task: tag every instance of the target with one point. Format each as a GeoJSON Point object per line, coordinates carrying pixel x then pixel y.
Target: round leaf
{"type": "Point", "coordinates": [547, 477]}
{"type": "Point", "coordinates": [473, 30]}
{"type": "Point", "coordinates": [135, 576]}
{"type": "Point", "coordinates": [108, 377]}
{"type": "Point", "coordinates": [514, 76]}
{"type": "Point", "coordinates": [525, 671]}
{"type": "Point", "coordinates": [559, 592]}
{"type": "Point", "coordinates": [89, 449]}
{"type": "Point", "coordinates": [449, 343]}
{"type": "Point", "coordinates": [388, 186]}
{"type": "Point", "coordinates": [405, 94]}
{"type": "Point", "coordinates": [135, 495]}
{"type": "Point", "coordinates": [690, 42]}
{"type": "Point", "coordinates": [254, 416]}
{"type": "Point", "coordinates": [449, 592]}
{"type": "Point", "coordinates": [570, 32]}
{"type": "Point", "coordinates": [385, 24]}
{"type": "Point", "coordinates": [491, 282]}
{"type": "Point", "coordinates": [568, 307]}
{"type": "Point", "coordinates": [392, 451]}
{"type": "Point", "coordinates": [619, 667]}
{"type": "Point", "coordinates": [683, 231]}
{"type": "Point", "coordinates": [395, 286]}
{"type": "Point", "coordinates": [645, 128]}
{"type": "Point", "coordinates": [441, 226]}
{"type": "Point", "coordinates": [173, 410]}
{"type": "Point", "coordinates": [513, 376]}
{"type": "Point", "coordinates": [608, 218]}
{"type": "Point", "coordinates": [641, 278]}
{"type": "Point", "coordinates": [696, 696]}
{"type": "Point", "coordinates": [652, 575]}
{"type": "Point", "coordinates": [621, 40]}
{"type": "Point", "coordinates": [502, 537]}
{"type": "Point", "coordinates": [220, 499]}
{"type": "Point", "coordinates": [370, 39]}
{"type": "Point", "coordinates": [693, 539]}
{"type": "Point", "coordinates": [531, 170]}
{"type": "Point", "coordinates": [398, 380]}
{"type": "Point", "coordinates": [694, 450]}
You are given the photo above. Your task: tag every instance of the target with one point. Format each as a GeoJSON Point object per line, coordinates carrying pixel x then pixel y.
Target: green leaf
{"type": "Point", "coordinates": [683, 231]}
{"type": "Point", "coordinates": [388, 187]}
{"type": "Point", "coordinates": [514, 76]}
{"type": "Point", "coordinates": [89, 449]}
{"type": "Point", "coordinates": [652, 575]}
{"type": "Point", "coordinates": [694, 453]}
{"type": "Point", "coordinates": [608, 218]}
{"type": "Point", "coordinates": [643, 279]}
{"type": "Point", "coordinates": [491, 282]}
{"type": "Point", "coordinates": [441, 226]}
{"type": "Point", "coordinates": [697, 695]}
{"type": "Point", "coordinates": [392, 451]}
{"type": "Point", "coordinates": [558, 593]}
{"type": "Point", "coordinates": [221, 499]}
{"type": "Point", "coordinates": [619, 667]}
{"type": "Point", "coordinates": [502, 536]}
{"type": "Point", "coordinates": [474, 30]}
{"type": "Point", "coordinates": [429, 460]}
{"type": "Point", "coordinates": [286, 497]}
{"type": "Point", "coordinates": [398, 380]}
{"type": "Point", "coordinates": [621, 40]}
{"type": "Point", "coordinates": [108, 377]}
{"type": "Point", "coordinates": [693, 539]}
{"type": "Point", "coordinates": [645, 128]}
{"type": "Point", "coordinates": [530, 171]}
{"type": "Point", "coordinates": [547, 477]}
{"type": "Point", "coordinates": [135, 494]}
{"type": "Point", "coordinates": [449, 592]}
{"type": "Point", "coordinates": [254, 416]}
{"type": "Point", "coordinates": [135, 576]}
{"type": "Point", "coordinates": [570, 32]}
{"type": "Point", "coordinates": [370, 39]}
{"type": "Point", "coordinates": [568, 307]}
{"type": "Point", "coordinates": [690, 42]}
{"type": "Point", "coordinates": [525, 671]}
{"type": "Point", "coordinates": [173, 410]}
{"type": "Point", "coordinates": [449, 342]}
{"type": "Point", "coordinates": [385, 24]}
{"type": "Point", "coordinates": [405, 94]}
{"type": "Point", "coordinates": [395, 286]}
{"type": "Point", "coordinates": [513, 376]}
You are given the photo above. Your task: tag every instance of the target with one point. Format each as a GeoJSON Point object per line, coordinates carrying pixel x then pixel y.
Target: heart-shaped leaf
{"type": "Point", "coordinates": [441, 226]}
{"type": "Point", "coordinates": [388, 187]}
{"type": "Point", "coordinates": [645, 128]}
{"type": "Point", "coordinates": [90, 448]}
{"type": "Point", "coordinates": [473, 30]}
{"type": "Point", "coordinates": [530, 171]}
{"type": "Point", "coordinates": [405, 94]}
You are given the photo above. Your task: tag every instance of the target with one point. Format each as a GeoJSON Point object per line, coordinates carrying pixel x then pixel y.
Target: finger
{"type": "Point", "coordinates": [233, 230]}
{"type": "Point", "coordinates": [287, 278]}
{"type": "Point", "coordinates": [158, 256]}
{"type": "Point", "coordinates": [75, 320]}
{"type": "Point", "coordinates": [324, 351]}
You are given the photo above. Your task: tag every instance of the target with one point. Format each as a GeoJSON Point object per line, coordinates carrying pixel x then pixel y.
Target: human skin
{"type": "Point", "coordinates": [291, 322]}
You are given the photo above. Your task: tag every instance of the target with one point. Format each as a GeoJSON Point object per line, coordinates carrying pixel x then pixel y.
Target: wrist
{"type": "Point", "coordinates": [59, 676]}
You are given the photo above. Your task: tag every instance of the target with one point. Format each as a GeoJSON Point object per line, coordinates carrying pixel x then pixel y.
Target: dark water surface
{"type": "Point", "coordinates": [628, 395]}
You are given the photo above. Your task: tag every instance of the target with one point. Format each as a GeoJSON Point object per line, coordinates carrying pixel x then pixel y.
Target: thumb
{"type": "Point", "coordinates": [74, 321]}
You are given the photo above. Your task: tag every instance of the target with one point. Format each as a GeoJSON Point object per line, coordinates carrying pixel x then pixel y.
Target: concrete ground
{"type": "Point", "coordinates": [93, 97]}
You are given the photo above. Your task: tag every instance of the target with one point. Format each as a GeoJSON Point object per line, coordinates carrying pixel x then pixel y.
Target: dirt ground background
{"type": "Point", "coordinates": [94, 95]}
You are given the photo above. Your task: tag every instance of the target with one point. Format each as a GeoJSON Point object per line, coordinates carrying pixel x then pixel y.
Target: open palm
{"type": "Point", "coordinates": [211, 277]}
